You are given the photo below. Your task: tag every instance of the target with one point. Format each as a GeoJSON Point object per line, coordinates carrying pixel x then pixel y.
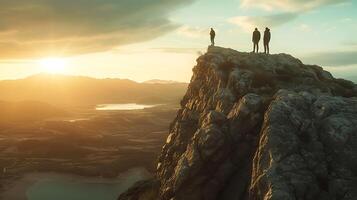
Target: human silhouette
{"type": "Point", "coordinates": [213, 35]}
{"type": "Point", "coordinates": [256, 39]}
{"type": "Point", "coordinates": [266, 40]}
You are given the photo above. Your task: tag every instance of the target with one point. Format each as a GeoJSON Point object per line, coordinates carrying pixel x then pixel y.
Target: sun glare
{"type": "Point", "coordinates": [53, 65]}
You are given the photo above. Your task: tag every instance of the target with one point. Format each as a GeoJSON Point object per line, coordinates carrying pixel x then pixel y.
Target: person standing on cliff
{"type": "Point", "coordinates": [256, 39]}
{"type": "Point", "coordinates": [266, 40]}
{"type": "Point", "coordinates": [213, 35]}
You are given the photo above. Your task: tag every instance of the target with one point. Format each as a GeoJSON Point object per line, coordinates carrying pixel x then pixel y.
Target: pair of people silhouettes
{"type": "Point", "coordinates": [255, 39]}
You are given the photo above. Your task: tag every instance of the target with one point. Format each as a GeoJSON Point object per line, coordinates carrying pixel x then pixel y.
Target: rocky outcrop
{"type": "Point", "coordinates": [254, 126]}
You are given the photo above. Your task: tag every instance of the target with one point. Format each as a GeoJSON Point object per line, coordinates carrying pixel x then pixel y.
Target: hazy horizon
{"type": "Point", "coordinates": [163, 81]}
{"type": "Point", "coordinates": [103, 39]}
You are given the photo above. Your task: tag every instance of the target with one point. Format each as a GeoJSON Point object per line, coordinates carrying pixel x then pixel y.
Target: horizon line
{"type": "Point", "coordinates": [91, 77]}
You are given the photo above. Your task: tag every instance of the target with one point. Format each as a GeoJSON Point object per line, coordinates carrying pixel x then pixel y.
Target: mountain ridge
{"type": "Point", "coordinates": [255, 126]}
{"type": "Point", "coordinates": [75, 90]}
{"type": "Point", "coordinates": [44, 75]}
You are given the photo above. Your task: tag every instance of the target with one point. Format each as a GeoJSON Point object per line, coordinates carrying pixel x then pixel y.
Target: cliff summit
{"type": "Point", "coordinates": [256, 126]}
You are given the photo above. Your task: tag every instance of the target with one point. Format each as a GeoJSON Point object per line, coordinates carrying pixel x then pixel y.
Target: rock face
{"type": "Point", "coordinates": [255, 126]}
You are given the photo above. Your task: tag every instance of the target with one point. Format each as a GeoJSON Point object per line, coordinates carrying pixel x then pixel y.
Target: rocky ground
{"type": "Point", "coordinates": [256, 126]}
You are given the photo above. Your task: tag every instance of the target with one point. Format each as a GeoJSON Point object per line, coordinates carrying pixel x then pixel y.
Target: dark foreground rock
{"type": "Point", "coordinates": [255, 126]}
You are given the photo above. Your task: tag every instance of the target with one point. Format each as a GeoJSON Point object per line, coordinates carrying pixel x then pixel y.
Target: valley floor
{"type": "Point", "coordinates": [89, 143]}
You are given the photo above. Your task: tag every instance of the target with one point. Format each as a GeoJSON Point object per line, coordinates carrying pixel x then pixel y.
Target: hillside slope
{"type": "Point", "coordinates": [25, 111]}
{"type": "Point", "coordinates": [254, 126]}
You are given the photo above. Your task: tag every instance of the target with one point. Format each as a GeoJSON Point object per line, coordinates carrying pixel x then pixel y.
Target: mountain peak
{"type": "Point", "coordinates": [277, 71]}
{"type": "Point", "coordinates": [256, 126]}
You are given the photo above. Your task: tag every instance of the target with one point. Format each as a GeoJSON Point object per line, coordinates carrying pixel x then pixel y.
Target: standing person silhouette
{"type": "Point", "coordinates": [256, 39]}
{"type": "Point", "coordinates": [266, 40]}
{"type": "Point", "coordinates": [213, 35]}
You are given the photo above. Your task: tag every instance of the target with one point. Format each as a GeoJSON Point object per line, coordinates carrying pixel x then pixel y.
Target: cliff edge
{"type": "Point", "coordinates": [255, 126]}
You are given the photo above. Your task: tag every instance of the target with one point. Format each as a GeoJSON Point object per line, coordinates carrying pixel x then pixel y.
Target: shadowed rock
{"type": "Point", "coordinates": [255, 126]}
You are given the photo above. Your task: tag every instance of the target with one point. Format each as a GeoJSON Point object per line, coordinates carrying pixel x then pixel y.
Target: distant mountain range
{"type": "Point", "coordinates": [78, 90]}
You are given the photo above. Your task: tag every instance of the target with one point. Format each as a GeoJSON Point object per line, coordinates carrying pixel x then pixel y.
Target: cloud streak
{"type": "Point", "coordinates": [193, 32]}
{"type": "Point", "coordinates": [290, 5]}
{"type": "Point", "coordinates": [180, 50]}
{"type": "Point", "coordinates": [332, 58]}
{"type": "Point", "coordinates": [248, 23]}
{"type": "Point", "coordinates": [288, 11]}
{"type": "Point", "coordinates": [31, 28]}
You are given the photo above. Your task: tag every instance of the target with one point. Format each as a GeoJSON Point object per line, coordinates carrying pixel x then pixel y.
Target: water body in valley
{"type": "Point", "coordinates": [53, 186]}
{"type": "Point", "coordinates": [128, 106]}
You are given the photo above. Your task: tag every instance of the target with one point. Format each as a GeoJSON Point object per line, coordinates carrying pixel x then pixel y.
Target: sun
{"type": "Point", "coordinates": [53, 65]}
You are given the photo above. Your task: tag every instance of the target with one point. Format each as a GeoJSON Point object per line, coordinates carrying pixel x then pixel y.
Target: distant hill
{"type": "Point", "coordinates": [69, 90]}
{"type": "Point", "coordinates": [28, 111]}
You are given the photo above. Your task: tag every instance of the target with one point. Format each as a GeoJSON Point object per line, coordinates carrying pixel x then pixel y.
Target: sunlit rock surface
{"type": "Point", "coordinates": [255, 126]}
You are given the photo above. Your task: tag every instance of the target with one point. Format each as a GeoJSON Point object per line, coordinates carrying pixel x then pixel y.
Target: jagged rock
{"type": "Point", "coordinates": [303, 151]}
{"type": "Point", "coordinates": [256, 126]}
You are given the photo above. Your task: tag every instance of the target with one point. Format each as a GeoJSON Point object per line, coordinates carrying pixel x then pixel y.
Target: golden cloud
{"type": "Point", "coordinates": [32, 28]}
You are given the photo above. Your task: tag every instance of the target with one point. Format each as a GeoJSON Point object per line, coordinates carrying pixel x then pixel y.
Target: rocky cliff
{"type": "Point", "coordinates": [255, 126]}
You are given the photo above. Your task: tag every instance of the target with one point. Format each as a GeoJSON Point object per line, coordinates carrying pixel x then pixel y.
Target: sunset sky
{"type": "Point", "coordinates": [160, 39]}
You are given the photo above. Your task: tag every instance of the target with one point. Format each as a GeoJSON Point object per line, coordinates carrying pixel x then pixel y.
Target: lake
{"type": "Point", "coordinates": [54, 186]}
{"type": "Point", "coordinates": [128, 106]}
